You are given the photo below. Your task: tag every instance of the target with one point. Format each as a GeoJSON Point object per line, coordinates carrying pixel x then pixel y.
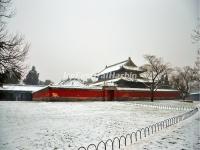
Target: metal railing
{"type": "Point", "coordinates": [124, 140]}
{"type": "Point", "coordinates": [172, 107]}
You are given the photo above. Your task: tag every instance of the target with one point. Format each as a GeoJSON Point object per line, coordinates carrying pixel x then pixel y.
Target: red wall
{"type": "Point", "coordinates": [71, 94]}
{"type": "Point", "coordinates": [60, 94]}
{"type": "Point", "coordinates": [41, 94]}
{"type": "Point", "coordinates": [127, 94]}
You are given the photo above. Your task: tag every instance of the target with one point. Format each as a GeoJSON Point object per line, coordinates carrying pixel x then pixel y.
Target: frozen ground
{"type": "Point", "coordinates": [46, 125]}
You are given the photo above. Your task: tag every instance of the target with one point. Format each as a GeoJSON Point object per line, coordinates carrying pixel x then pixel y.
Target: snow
{"type": "Point", "coordinates": [117, 67]}
{"type": "Point", "coordinates": [111, 69]}
{"type": "Point", "coordinates": [31, 88]}
{"type": "Point", "coordinates": [72, 83]}
{"type": "Point", "coordinates": [144, 89]}
{"type": "Point", "coordinates": [69, 125]}
{"type": "Point", "coordinates": [132, 68]}
{"type": "Point", "coordinates": [76, 87]}
{"type": "Point", "coordinates": [112, 81]}
{"type": "Point", "coordinates": [195, 93]}
{"type": "Point", "coordinates": [182, 136]}
{"type": "Point", "coordinates": [109, 82]}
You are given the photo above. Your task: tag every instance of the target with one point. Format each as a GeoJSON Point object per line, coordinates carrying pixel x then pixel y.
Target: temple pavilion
{"type": "Point", "coordinates": [122, 74]}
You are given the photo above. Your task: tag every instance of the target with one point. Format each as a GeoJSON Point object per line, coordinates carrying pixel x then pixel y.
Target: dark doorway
{"type": "Point", "coordinates": [110, 95]}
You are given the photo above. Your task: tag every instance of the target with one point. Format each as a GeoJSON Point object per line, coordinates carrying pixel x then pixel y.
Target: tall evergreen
{"type": "Point", "coordinates": [32, 77]}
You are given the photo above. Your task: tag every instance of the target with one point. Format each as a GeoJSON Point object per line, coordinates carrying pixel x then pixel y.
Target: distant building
{"type": "Point", "coordinates": [194, 96]}
{"type": "Point", "coordinates": [122, 74]}
{"type": "Point", "coordinates": [74, 82]}
{"type": "Point", "coordinates": [11, 92]}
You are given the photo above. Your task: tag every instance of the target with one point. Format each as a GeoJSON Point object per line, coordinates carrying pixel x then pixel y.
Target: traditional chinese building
{"type": "Point", "coordinates": [73, 82]}
{"type": "Point", "coordinates": [120, 81]}
{"type": "Point", "coordinates": [122, 74]}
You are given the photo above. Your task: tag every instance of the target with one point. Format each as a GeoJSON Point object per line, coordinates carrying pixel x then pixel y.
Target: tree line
{"type": "Point", "coordinates": [183, 79]}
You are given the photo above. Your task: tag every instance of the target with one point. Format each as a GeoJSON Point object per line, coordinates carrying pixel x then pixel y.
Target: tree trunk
{"type": "Point", "coordinates": [184, 95]}
{"type": "Point", "coordinates": [152, 95]}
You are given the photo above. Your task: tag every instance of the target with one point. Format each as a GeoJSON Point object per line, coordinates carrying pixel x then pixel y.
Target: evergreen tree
{"type": "Point", "coordinates": [89, 81]}
{"type": "Point", "coordinates": [32, 77]}
{"type": "Point", "coordinates": [166, 80]}
{"type": "Point", "coordinates": [48, 82]}
{"type": "Point", "coordinates": [10, 77]}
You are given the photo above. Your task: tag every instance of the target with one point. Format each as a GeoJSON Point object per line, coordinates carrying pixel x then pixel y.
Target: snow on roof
{"type": "Point", "coordinates": [127, 64]}
{"type": "Point", "coordinates": [194, 93]}
{"type": "Point", "coordinates": [71, 83]}
{"type": "Point", "coordinates": [108, 82]}
{"type": "Point", "coordinates": [144, 89]}
{"type": "Point", "coordinates": [75, 87]}
{"type": "Point", "coordinates": [112, 81]}
{"type": "Point", "coordinates": [17, 87]}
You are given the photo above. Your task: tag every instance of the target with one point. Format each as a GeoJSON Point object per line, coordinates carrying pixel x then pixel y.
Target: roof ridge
{"type": "Point", "coordinates": [112, 66]}
{"type": "Point", "coordinates": [117, 63]}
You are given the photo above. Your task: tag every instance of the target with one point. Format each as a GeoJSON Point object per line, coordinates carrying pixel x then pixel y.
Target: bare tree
{"type": "Point", "coordinates": [196, 68]}
{"type": "Point", "coordinates": [182, 79]}
{"type": "Point", "coordinates": [196, 33]}
{"type": "Point", "coordinates": [196, 40]}
{"type": "Point", "coordinates": [13, 49]}
{"type": "Point", "coordinates": [154, 70]}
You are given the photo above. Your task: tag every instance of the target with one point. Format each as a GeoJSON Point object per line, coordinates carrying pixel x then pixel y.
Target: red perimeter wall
{"type": "Point", "coordinates": [81, 94]}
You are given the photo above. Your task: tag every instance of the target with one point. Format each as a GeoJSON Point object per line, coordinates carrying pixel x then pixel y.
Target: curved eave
{"type": "Point", "coordinates": [122, 67]}
{"type": "Point", "coordinates": [136, 70]}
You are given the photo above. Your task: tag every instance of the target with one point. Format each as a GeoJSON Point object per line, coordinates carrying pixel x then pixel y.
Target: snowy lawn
{"type": "Point", "coordinates": [182, 136]}
{"type": "Point", "coordinates": [69, 125]}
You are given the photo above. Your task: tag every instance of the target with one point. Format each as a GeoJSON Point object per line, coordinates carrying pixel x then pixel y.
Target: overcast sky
{"type": "Point", "coordinates": [82, 36]}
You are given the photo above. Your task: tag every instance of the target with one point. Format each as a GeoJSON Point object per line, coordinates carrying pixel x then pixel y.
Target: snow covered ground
{"type": "Point", "coordinates": [182, 136]}
{"type": "Point", "coordinates": [69, 125]}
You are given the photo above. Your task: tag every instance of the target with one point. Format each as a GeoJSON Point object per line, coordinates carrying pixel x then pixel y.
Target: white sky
{"type": "Point", "coordinates": [82, 36]}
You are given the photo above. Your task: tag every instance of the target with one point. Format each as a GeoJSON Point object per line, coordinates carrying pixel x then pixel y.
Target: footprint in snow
{"type": "Point", "coordinates": [172, 142]}
{"type": "Point", "coordinates": [159, 142]}
{"type": "Point", "coordinates": [179, 139]}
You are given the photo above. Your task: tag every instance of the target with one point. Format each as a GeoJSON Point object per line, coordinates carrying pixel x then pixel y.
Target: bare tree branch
{"type": "Point", "coordinates": [13, 49]}
{"type": "Point", "coordinates": [154, 69]}
{"type": "Point", "coordinates": [181, 80]}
